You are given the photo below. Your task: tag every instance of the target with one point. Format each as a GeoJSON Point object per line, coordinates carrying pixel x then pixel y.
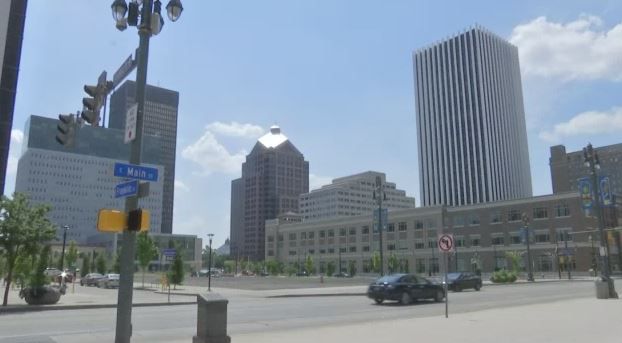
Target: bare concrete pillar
{"type": "Point", "coordinates": [211, 319]}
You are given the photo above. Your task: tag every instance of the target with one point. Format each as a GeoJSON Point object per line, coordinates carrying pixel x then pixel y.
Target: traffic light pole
{"type": "Point", "coordinates": [126, 282]}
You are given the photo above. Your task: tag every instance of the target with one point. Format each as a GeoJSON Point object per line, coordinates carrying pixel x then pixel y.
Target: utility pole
{"type": "Point", "coordinates": [559, 270]}
{"type": "Point", "coordinates": [591, 161]}
{"type": "Point", "coordinates": [209, 271]}
{"type": "Point", "coordinates": [62, 256]}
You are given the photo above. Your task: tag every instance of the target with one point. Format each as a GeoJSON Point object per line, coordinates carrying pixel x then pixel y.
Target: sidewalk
{"type": "Point", "coordinates": [582, 320]}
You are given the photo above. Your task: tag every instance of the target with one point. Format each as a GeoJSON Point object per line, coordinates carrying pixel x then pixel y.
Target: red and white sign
{"type": "Point", "coordinates": [446, 242]}
{"type": "Point", "coordinates": [130, 123]}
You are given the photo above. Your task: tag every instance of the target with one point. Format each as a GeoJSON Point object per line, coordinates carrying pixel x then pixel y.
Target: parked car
{"type": "Point", "coordinates": [463, 280]}
{"type": "Point", "coordinates": [53, 272]}
{"type": "Point", "coordinates": [302, 273]}
{"type": "Point", "coordinates": [404, 288]}
{"type": "Point", "coordinates": [342, 274]}
{"type": "Point", "coordinates": [108, 281]}
{"type": "Point", "coordinates": [90, 279]}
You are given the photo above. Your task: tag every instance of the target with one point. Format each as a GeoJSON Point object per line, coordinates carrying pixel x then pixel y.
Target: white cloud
{"type": "Point", "coordinates": [180, 186]}
{"type": "Point", "coordinates": [17, 136]}
{"type": "Point", "coordinates": [213, 156]}
{"type": "Point", "coordinates": [577, 50]}
{"type": "Point", "coordinates": [316, 181]}
{"type": "Point", "coordinates": [586, 123]}
{"type": "Point", "coordinates": [235, 129]}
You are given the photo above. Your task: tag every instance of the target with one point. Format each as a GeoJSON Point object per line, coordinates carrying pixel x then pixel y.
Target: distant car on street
{"type": "Point", "coordinates": [404, 288]}
{"type": "Point", "coordinates": [342, 274]}
{"type": "Point", "coordinates": [463, 280]}
{"type": "Point", "coordinates": [302, 273]}
{"type": "Point", "coordinates": [108, 281]}
{"type": "Point", "coordinates": [90, 279]}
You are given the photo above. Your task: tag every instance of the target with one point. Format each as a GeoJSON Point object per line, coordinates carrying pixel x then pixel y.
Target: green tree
{"type": "Point", "coordinates": [38, 278]}
{"type": "Point", "coordinates": [393, 264]}
{"type": "Point", "coordinates": [274, 267]}
{"type": "Point", "coordinates": [72, 255]}
{"type": "Point", "coordinates": [176, 275]}
{"type": "Point", "coordinates": [86, 266]}
{"type": "Point", "coordinates": [100, 264]}
{"type": "Point", "coordinates": [309, 267]}
{"type": "Point", "coordinates": [146, 250]}
{"type": "Point", "coordinates": [116, 266]}
{"type": "Point", "coordinates": [23, 228]}
{"type": "Point", "coordinates": [351, 268]}
{"type": "Point", "coordinates": [229, 266]}
{"type": "Point", "coordinates": [375, 262]}
{"type": "Point", "coordinates": [514, 257]}
{"type": "Point", "coordinates": [330, 268]}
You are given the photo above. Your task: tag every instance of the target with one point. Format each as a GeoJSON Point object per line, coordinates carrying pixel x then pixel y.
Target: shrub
{"type": "Point", "coordinates": [503, 276]}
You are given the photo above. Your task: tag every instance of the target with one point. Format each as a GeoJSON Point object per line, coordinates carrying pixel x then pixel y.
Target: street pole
{"type": "Point", "coordinates": [566, 254]}
{"type": "Point", "coordinates": [340, 257]}
{"type": "Point", "coordinates": [494, 249]}
{"type": "Point", "coordinates": [527, 239]}
{"type": "Point", "coordinates": [559, 270]}
{"type": "Point", "coordinates": [591, 160]}
{"type": "Point", "coordinates": [62, 256]}
{"type": "Point", "coordinates": [593, 262]}
{"type": "Point", "coordinates": [379, 197]}
{"type": "Point", "coordinates": [209, 270]}
{"type": "Point", "coordinates": [432, 266]}
{"type": "Point", "coordinates": [126, 281]}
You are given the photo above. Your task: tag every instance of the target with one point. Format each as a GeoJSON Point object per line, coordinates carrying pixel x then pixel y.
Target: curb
{"type": "Point", "coordinates": [39, 308]}
{"type": "Point", "coordinates": [316, 295]}
{"type": "Point", "coordinates": [536, 282]}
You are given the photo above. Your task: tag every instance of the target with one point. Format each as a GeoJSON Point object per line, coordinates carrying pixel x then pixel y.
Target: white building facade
{"type": "Point", "coordinates": [351, 196]}
{"type": "Point", "coordinates": [471, 131]}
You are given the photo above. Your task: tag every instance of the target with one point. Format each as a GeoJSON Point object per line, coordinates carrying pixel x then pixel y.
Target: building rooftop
{"type": "Point", "coordinates": [273, 138]}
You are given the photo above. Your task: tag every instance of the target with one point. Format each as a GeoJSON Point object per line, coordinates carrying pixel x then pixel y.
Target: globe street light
{"type": "Point", "coordinates": [146, 16]}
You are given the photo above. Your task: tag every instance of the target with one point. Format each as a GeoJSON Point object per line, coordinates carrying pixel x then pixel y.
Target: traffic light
{"type": "Point", "coordinates": [138, 220]}
{"type": "Point", "coordinates": [66, 130]}
{"type": "Point", "coordinates": [94, 104]}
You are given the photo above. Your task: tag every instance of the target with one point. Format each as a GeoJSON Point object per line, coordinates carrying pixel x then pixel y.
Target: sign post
{"type": "Point", "coordinates": [445, 245]}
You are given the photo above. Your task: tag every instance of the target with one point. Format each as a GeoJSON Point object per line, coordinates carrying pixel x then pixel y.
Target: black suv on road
{"type": "Point", "coordinates": [404, 288]}
{"type": "Point", "coordinates": [459, 281]}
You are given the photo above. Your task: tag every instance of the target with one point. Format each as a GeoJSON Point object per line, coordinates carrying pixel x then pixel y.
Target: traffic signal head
{"type": "Point", "coordinates": [93, 105]}
{"type": "Point", "coordinates": [138, 220]}
{"type": "Point", "coordinates": [66, 130]}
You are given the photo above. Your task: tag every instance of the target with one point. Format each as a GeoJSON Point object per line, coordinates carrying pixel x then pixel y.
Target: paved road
{"type": "Point", "coordinates": [256, 315]}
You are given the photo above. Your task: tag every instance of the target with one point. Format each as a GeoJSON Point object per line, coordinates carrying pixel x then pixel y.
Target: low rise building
{"type": "Point", "coordinates": [561, 234]}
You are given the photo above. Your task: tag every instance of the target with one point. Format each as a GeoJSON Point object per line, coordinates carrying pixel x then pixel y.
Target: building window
{"type": "Point", "coordinates": [515, 238]}
{"type": "Point", "coordinates": [322, 234]}
{"type": "Point", "coordinates": [292, 236]}
{"type": "Point", "coordinates": [564, 235]}
{"type": "Point", "coordinates": [458, 221]}
{"type": "Point", "coordinates": [270, 239]}
{"type": "Point", "coordinates": [543, 237]}
{"type": "Point", "coordinates": [540, 213]}
{"type": "Point", "coordinates": [322, 251]}
{"type": "Point", "coordinates": [353, 249]}
{"type": "Point", "coordinates": [496, 217]}
{"type": "Point", "coordinates": [311, 235]}
{"type": "Point", "coordinates": [419, 244]}
{"type": "Point", "coordinates": [475, 241]}
{"type": "Point", "coordinates": [391, 227]}
{"type": "Point", "coordinates": [514, 216]}
{"type": "Point", "coordinates": [342, 232]}
{"type": "Point", "coordinates": [342, 249]}
{"type": "Point", "coordinates": [352, 231]}
{"type": "Point", "coordinates": [473, 219]}
{"type": "Point", "coordinates": [431, 223]}
{"type": "Point", "coordinates": [402, 245]}
{"type": "Point", "coordinates": [292, 252]}
{"type": "Point", "coordinates": [365, 230]}
{"type": "Point", "coordinates": [390, 247]}
{"type": "Point", "coordinates": [303, 235]}
{"type": "Point", "coordinates": [562, 211]}
{"type": "Point", "coordinates": [498, 240]}
{"type": "Point", "coordinates": [331, 233]}
{"type": "Point", "coordinates": [401, 227]}
{"type": "Point", "coordinates": [270, 252]}
{"type": "Point", "coordinates": [331, 250]}
{"type": "Point", "coordinates": [431, 243]}
{"type": "Point", "coordinates": [460, 242]}
{"type": "Point", "coordinates": [365, 248]}
{"type": "Point", "coordinates": [418, 225]}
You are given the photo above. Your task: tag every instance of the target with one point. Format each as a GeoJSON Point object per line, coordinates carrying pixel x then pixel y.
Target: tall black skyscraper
{"type": "Point", "coordinates": [160, 120]}
{"type": "Point", "coordinates": [472, 136]}
{"type": "Point", "coordinates": [274, 175]}
{"type": "Point", "coordinates": [12, 19]}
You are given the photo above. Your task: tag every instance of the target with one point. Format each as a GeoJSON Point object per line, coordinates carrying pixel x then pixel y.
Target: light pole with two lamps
{"type": "Point", "coordinates": [590, 158]}
{"type": "Point", "coordinates": [209, 263]}
{"type": "Point", "coordinates": [527, 239]}
{"type": "Point", "coordinates": [151, 22]}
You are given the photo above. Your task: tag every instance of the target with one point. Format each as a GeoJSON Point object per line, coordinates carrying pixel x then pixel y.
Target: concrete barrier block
{"type": "Point", "coordinates": [211, 319]}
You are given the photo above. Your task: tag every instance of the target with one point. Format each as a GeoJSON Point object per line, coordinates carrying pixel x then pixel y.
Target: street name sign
{"type": "Point", "coordinates": [124, 70]}
{"type": "Point", "coordinates": [126, 189]}
{"type": "Point", "coordinates": [169, 252]}
{"type": "Point", "coordinates": [130, 171]}
{"type": "Point", "coordinates": [130, 123]}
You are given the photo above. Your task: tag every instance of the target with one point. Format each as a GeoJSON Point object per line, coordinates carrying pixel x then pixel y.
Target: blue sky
{"type": "Point", "coordinates": [335, 75]}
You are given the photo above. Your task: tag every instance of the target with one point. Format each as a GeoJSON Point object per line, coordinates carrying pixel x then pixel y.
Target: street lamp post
{"type": "Point", "coordinates": [150, 21]}
{"type": "Point", "coordinates": [209, 263]}
{"type": "Point", "coordinates": [567, 256]}
{"type": "Point", "coordinates": [593, 262]}
{"type": "Point", "coordinates": [527, 239]}
{"type": "Point", "coordinates": [62, 255]}
{"type": "Point", "coordinates": [559, 270]}
{"type": "Point", "coordinates": [590, 158]}
{"type": "Point", "coordinates": [379, 196]}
